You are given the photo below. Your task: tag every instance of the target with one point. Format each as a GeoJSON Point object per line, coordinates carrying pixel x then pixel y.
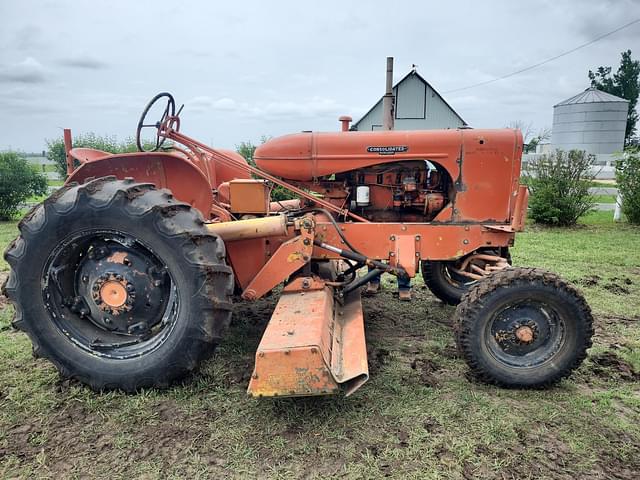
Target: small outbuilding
{"type": "Point", "coordinates": [418, 106]}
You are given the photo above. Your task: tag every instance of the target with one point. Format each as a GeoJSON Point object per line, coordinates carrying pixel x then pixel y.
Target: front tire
{"type": "Point", "coordinates": [119, 285]}
{"type": "Point", "coordinates": [523, 328]}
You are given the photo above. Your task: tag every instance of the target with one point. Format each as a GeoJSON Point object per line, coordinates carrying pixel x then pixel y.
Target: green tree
{"type": "Point", "coordinates": [109, 144]}
{"type": "Point", "coordinates": [625, 83]}
{"type": "Point", "coordinates": [559, 185]}
{"type": "Point", "coordinates": [628, 179]}
{"type": "Point", "coordinates": [247, 150]}
{"type": "Point", "coordinates": [18, 181]}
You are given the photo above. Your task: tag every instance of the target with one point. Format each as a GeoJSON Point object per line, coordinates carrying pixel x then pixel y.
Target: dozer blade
{"type": "Point", "coordinates": [312, 344]}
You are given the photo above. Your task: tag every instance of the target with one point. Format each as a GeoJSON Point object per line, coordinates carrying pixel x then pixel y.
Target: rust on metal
{"type": "Point", "coordinates": [312, 345]}
{"type": "Point", "coordinates": [68, 145]}
{"type": "Point", "coordinates": [404, 253]}
{"type": "Point", "coordinates": [249, 195]}
{"type": "Point", "coordinates": [479, 265]}
{"type": "Point", "coordinates": [301, 325]}
{"type": "Point", "coordinates": [271, 226]}
{"type": "Point", "coordinates": [408, 210]}
{"type": "Point", "coordinates": [288, 258]}
{"type": "Point", "coordinates": [520, 210]}
{"type": "Point", "coordinates": [110, 293]}
{"type": "Point", "coordinates": [118, 257]}
{"type": "Point", "coordinates": [524, 334]}
{"type": "Point", "coordinates": [349, 361]}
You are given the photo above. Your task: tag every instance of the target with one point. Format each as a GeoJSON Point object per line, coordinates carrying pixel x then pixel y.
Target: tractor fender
{"type": "Point", "coordinates": [165, 170]}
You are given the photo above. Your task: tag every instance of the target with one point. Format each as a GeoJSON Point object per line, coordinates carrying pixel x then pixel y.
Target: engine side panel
{"type": "Point", "coordinates": [481, 166]}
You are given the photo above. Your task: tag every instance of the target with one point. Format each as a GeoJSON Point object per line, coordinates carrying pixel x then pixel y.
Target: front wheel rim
{"type": "Point", "coordinates": [526, 334]}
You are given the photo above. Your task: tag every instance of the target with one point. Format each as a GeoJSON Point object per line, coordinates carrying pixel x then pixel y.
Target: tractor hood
{"type": "Point", "coordinates": [308, 155]}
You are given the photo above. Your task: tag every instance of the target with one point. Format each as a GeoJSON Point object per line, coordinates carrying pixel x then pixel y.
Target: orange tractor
{"type": "Point", "coordinates": [124, 278]}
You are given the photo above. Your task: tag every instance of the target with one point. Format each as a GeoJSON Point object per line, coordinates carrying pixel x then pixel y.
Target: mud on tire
{"type": "Point", "coordinates": [119, 285]}
{"type": "Point", "coordinates": [523, 328]}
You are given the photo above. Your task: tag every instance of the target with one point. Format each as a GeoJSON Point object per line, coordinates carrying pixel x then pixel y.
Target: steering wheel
{"type": "Point", "coordinates": [169, 111]}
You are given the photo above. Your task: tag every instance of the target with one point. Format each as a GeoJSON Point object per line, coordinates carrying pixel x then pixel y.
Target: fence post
{"type": "Point", "coordinates": [617, 213]}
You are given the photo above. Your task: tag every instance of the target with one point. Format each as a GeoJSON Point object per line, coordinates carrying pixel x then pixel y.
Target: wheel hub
{"type": "Point", "coordinates": [113, 294]}
{"type": "Point", "coordinates": [121, 288]}
{"type": "Point", "coordinates": [524, 334]}
{"type": "Point", "coordinates": [110, 293]}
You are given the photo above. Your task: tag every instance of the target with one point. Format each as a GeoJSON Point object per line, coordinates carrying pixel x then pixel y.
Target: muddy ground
{"type": "Point", "coordinates": [421, 415]}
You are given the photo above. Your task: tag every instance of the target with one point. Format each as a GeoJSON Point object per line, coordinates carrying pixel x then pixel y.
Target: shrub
{"type": "Point", "coordinates": [628, 179]}
{"type": "Point", "coordinates": [559, 185]}
{"type": "Point", "coordinates": [56, 151]}
{"type": "Point", "coordinates": [18, 181]}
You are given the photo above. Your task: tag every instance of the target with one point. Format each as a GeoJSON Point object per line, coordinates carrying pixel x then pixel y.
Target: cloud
{"type": "Point", "coordinates": [603, 16]}
{"type": "Point", "coordinates": [205, 103]}
{"type": "Point", "coordinates": [83, 61]}
{"type": "Point", "coordinates": [28, 70]}
{"type": "Point", "coordinates": [28, 38]}
{"type": "Point", "coordinates": [307, 108]}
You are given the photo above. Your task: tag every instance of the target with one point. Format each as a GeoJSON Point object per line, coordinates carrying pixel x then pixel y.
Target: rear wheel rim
{"type": "Point", "coordinates": [525, 334]}
{"type": "Point", "coordinates": [110, 294]}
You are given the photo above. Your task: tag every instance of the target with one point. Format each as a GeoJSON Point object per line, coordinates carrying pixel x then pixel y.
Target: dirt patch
{"type": "Point", "coordinates": [590, 280]}
{"type": "Point", "coordinates": [553, 458]}
{"type": "Point", "coordinates": [450, 351]}
{"type": "Point", "coordinates": [622, 280]}
{"type": "Point", "coordinates": [607, 328]}
{"type": "Point", "coordinates": [377, 359]}
{"type": "Point", "coordinates": [617, 289]}
{"type": "Point", "coordinates": [616, 285]}
{"type": "Point", "coordinates": [427, 369]}
{"type": "Point", "coordinates": [609, 363]}
{"type": "Point", "coordinates": [73, 435]}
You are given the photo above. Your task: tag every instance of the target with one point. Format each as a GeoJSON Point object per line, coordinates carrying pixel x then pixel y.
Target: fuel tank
{"type": "Point", "coordinates": [308, 155]}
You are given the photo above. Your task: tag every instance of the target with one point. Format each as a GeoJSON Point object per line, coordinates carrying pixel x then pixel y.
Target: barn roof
{"type": "Point", "coordinates": [421, 78]}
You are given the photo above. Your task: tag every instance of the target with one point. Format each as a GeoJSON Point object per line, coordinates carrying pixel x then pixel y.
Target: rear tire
{"type": "Point", "coordinates": [442, 284]}
{"type": "Point", "coordinates": [523, 328]}
{"type": "Point", "coordinates": [170, 297]}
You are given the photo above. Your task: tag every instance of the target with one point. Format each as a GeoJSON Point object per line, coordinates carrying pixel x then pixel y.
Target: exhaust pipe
{"type": "Point", "coordinates": [388, 99]}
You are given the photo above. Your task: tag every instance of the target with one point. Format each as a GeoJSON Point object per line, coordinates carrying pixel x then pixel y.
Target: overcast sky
{"type": "Point", "coordinates": [247, 69]}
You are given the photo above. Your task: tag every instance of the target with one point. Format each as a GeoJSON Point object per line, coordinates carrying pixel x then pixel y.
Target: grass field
{"type": "Point", "coordinates": [420, 416]}
{"type": "Point", "coordinates": [603, 198]}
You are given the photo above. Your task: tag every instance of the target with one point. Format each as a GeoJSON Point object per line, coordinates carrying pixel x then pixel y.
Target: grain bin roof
{"type": "Point", "coordinates": [592, 95]}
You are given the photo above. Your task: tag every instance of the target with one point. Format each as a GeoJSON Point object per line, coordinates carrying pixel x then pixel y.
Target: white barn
{"type": "Point", "coordinates": [417, 107]}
